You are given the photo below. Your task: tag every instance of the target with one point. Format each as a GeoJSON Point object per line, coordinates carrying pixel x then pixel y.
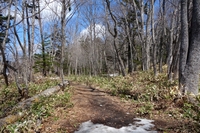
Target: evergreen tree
{"type": "Point", "coordinates": [45, 53]}
{"type": "Point", "coordinates": [4, 27]}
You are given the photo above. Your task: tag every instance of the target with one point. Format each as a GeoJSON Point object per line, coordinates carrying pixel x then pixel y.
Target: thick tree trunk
{"type": "Point", "coordinates": [25, 70]}
{"type": "Point", "coordinates": [32, 42]}
{"type": "Point", "coordinates": [192, 68]}
{"type": "Point", "coordinates": [184, 42]}
{"type": "Point", "coordinates": [63, 41]}
{"type": "Point", "coordinates": [147, 41]}
{"type": "Point", "coordinates": [163, 38]}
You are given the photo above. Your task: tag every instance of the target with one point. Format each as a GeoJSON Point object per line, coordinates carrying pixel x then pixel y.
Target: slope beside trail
{"type": "Point", "coordinates": [95, 105]}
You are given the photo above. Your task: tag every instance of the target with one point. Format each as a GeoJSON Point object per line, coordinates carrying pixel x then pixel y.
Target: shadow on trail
{"type": "Point", "coordinates": [101, 108]}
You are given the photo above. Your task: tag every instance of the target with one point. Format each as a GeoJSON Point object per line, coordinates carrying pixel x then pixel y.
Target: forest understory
{"type": "Point", "coordinates": [112, 101]}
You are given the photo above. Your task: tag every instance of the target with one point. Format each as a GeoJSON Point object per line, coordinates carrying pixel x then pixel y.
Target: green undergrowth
{"type": "Point", "coordinates": [140, 86]}
{"type": "Point", "coordinates": [36, 114]}
{"type": "Point", "coordinates": [9, 96]}
{"type": "Point", "coordinates": [192, 112]}
{"type": "Point", "coordinates": [153, 96]}
{"type": "Point", "coordinates": [41, 108]}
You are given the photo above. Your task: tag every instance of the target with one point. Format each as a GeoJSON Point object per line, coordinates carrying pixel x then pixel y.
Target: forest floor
{"type": "Point", "coordinates": [114, 102]}
{"type": "Point", "coordinates": [94, 104]}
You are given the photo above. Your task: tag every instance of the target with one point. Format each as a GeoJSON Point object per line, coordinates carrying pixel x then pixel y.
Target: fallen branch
{"type": "Point", "coordinates": [24, 106]}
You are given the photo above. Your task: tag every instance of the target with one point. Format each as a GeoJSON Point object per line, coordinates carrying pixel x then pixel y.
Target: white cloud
{"type": "Point", "coordinates": [51, 9]}
{"type": "Point", "coordinates": [99, 31]}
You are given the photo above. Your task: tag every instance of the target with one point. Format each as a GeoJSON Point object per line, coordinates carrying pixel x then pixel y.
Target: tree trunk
{"type": "Point", "coordinates": [184, 43]}
{"type": "Point", "coordinates": [192, 68]}
{"type": "Point", "coordinates": [121, 64]}
{"type": "Point", "coordinates": [129, 39]}
{"type": "Point", "coordinates": [32, 42]}
{"type": "Point", "coordinates": [176, 51]}
{"type": "Point", "coordinates": [144, 48]}
{"type": "Point", "coordinates": [147, 42]}
{"type": "Point", "coordinates": [42, 42]}
{"type": "Point", "coordinates": [106, 62]}
{"type": "Point", "coordinates": [63, 41]}
{"type": "Point", "coordinates": [28, 36]}
{"type": "Point", "coordinates": [24, 106]}
{"type": "Point", "coordinates": [163, 38]}
{"type": "Point", "coordinates": [153, 40]}
{"type": "Point", "coordinates": [25, 72]}
{"type": "Point", "coordinates": [130, 58]}
{"type": "Point", "coordinates": [170, 53]}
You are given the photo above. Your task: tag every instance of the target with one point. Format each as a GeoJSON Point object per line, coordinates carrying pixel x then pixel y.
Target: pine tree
{"type": "Point", "coordinates": [44, 55]}
{"type": "Point", "coordinates": [4, 27]}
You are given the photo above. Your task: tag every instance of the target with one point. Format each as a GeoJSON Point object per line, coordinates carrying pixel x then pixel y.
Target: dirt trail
{"type": "Point", "coordinates": [90, 104]}
{"type": "Point", "coordinates": [99, 107]}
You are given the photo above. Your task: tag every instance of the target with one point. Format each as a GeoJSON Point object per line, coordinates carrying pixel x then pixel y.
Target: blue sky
{"type": "Point", "coordinates": [80, 22]}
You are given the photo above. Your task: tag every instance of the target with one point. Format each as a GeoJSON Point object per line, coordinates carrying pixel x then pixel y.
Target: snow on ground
{"type": "Point", "coordinates": [140, 126]}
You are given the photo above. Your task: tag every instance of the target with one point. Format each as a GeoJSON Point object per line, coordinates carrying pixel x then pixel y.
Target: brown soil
{"type": "Point", "coordinates": [99, 107]}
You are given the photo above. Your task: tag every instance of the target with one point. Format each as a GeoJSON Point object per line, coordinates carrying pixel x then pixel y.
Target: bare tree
{"type": "Point", "coordinates": [170, 51]}
{"type": "Point", "coordinates": [129, 29]}
{"type": "Point", "coordinates": [65, 7]}
{"type": "Point", "coordinates": [114, 34]}
{"type": "Point", "coordinates": [24, 46]}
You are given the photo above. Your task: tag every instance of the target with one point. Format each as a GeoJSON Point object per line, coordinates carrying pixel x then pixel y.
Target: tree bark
{"type": "Point", "coordinates": [147, 41]}
{"type": "Point", "coordinates": [153, 40]}
{"type": "Point", "coordinates": [63, 34]}
{"type": "Point", "coordinates": [25, 72]}
{"type": "Point", "coordinates": [184, 43]}
{"type": "Point", "coordinates": [32, 42]}
{"type": "Point", "coordinates": [192, 68]}
{"type": "Point", "coordinates": [170, 53]}
{"type": "Point", "coordinates": [163, 36]}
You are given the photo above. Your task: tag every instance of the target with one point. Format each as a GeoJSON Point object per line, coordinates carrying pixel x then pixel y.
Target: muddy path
{"type": "Point", "coordinates": [99, 107]}
{"type": "Point", "coordinates": [90, 104]}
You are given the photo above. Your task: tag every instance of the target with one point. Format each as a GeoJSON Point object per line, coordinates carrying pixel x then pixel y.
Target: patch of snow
{"type": "Point", "coordinates": [113, 74]}
{"type": "Point", "coordinates": [140, 126]}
